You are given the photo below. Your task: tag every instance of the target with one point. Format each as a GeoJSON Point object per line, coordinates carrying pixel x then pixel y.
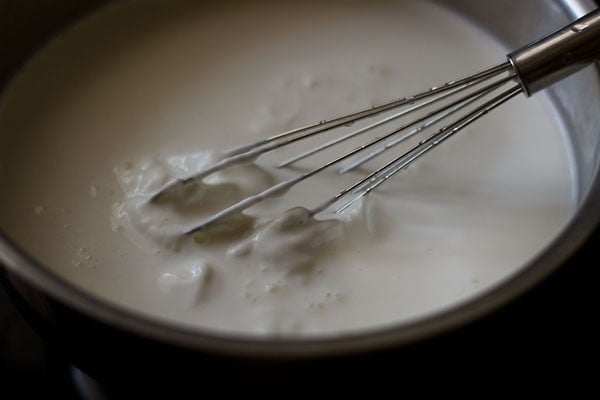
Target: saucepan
{"type": "Point", "coordinates": [140, 355]}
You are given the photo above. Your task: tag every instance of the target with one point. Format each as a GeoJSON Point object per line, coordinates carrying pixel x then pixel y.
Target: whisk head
{"type": "Point", "coordinates": [429, 117]}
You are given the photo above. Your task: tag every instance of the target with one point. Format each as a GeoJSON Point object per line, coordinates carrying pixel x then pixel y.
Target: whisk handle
{"type": "Point", "coordinates": [558, 55]}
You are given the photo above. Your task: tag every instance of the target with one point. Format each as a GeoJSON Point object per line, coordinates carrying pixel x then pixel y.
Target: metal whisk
{"type": "Point", "coordinates": [527, 70]}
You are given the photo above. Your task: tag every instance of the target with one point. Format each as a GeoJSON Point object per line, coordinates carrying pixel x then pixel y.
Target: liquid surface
{"type": "Point", "coordinates": [151, 91]}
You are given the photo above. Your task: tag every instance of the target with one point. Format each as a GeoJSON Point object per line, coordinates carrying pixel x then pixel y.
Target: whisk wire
{"type": "Point", "coordinates": [345, 120]}
{"type": "Point", "coordinates": [378, 177]}
{"type": "Point", "coordinates": [282, 187]}
{"type": "Point", "coordinates": [367, 128]}
{"type": "Point", "coordinates": [533, 67]}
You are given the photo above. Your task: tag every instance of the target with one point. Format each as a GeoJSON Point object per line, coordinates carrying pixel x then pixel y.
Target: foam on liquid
{"type": "Point", "coordinates": [150, 91]}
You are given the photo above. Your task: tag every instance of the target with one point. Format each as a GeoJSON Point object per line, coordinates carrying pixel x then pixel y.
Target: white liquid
{"type": "Point", "coordinates": [134, 97]}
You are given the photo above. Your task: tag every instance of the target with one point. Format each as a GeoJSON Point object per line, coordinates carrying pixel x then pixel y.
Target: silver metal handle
{"type": "Point", "coordinates": [558, 55]}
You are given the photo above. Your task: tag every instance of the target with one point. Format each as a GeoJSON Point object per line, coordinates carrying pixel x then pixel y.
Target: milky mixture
{"type": "Point", "coordinates": [149, 92]}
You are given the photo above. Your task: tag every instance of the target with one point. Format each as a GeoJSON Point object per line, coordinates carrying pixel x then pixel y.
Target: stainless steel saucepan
{"type": "Point", "coordinates": [130, 351]}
